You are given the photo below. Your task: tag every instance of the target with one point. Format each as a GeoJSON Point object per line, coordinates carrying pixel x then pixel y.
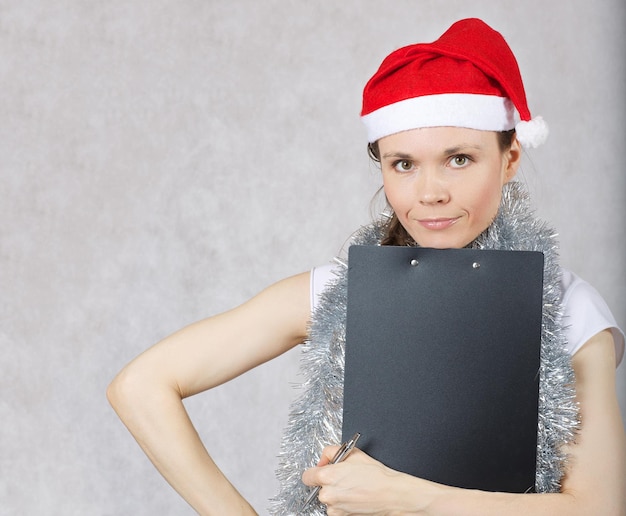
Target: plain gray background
{"type": "Point", "coordinates": [162, 161]}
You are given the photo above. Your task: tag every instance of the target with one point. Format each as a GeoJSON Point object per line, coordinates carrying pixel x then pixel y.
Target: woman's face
{"type": "Point", "coordinates": [445, 183]}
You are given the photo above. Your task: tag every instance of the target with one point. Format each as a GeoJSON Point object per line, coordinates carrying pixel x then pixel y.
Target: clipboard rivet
{"type": "Point", "coordinates": [414, 262]}
{"type": "Point", "coordinates": [476, 265]}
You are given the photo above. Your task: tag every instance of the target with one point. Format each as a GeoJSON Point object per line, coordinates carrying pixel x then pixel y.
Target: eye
{"type": "Point", "coordinates": [460, 161]}
{"type": "Point", "coordinates": [403, 165]}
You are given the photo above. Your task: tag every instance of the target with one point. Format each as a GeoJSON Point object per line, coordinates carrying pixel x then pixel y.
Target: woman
{"type": "Point", "coordinates": [440, 122]}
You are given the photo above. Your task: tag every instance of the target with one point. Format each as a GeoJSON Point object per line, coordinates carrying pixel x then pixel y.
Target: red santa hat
{"type": "Point", "coordinates": [469, 78]}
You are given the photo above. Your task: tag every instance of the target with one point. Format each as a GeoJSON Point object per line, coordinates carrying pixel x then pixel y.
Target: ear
{"type": "Point", "coordinates": [511, 160]}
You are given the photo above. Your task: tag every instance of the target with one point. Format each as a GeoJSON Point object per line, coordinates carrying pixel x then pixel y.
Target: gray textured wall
{"type": "Point", "coordinates": [161, 161]}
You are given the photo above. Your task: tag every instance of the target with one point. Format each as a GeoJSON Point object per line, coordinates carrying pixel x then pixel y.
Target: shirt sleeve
{"type": "Point", "coordinates": [585, 314]}
{"type": "Point", "coordinates": [320, 277]}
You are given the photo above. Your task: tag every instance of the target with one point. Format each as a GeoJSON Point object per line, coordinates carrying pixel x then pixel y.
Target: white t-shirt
{"type": "Point", "coordinates": [585, 312]}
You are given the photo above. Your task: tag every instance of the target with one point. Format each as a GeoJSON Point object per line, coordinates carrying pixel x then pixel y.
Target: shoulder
{"type": "Point", "coordinates": [586, 313]}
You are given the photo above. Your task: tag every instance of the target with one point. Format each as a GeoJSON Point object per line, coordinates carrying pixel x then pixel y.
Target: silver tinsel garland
{"type": "Point", "coordinates": [316, 416]}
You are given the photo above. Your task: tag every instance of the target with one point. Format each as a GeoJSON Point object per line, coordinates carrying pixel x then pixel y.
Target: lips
{"type": "Point", "coordinates": [438, 224]}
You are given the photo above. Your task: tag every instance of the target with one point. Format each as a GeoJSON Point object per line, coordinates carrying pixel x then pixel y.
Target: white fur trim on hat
{"type": "Point", "coordinates": [473, 111]}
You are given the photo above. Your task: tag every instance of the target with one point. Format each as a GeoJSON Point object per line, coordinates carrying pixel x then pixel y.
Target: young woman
{"type": "Point", "coordinates": [440, 121]}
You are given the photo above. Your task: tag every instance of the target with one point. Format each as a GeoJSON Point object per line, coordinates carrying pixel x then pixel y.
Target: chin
{"type": "Point", "coordinates": [453, 237]}
{"type": "Point", "coordinates": [441, 243]}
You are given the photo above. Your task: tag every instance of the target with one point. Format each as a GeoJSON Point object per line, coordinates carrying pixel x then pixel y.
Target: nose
{"type": "Point", "coordinates": [431, 188]}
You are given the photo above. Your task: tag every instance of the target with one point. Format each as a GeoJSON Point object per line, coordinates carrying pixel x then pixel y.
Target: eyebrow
{"type": "Point", "coordinates": [446, 152]}
{"type": "Point", "coordinates": [393, 154]}
{"type": "Point", "coordinates": [458, 148]}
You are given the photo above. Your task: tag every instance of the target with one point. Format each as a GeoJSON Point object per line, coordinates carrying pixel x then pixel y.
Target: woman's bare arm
{"type": "Point", "coordinates": [147, 394]}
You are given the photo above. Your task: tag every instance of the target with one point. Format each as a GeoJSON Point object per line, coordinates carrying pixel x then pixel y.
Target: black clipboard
{"type": "Point", "coordinates": [442, 362]}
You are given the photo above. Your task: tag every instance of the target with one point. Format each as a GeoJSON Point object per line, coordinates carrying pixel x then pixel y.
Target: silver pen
{"type": "Point", "coordinates": [341, 454]}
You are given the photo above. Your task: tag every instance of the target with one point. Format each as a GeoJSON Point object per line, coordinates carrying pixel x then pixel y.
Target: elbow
{"type": "Point", "coordinates": [137, 389]}
{"type": "Point", "coordinates": [129, 390]}
{"type": "Point", "coordinates": [121, 390]}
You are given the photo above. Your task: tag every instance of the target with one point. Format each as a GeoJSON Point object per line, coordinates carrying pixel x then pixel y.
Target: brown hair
{"type": "Point", "coordinates": [395, 233]}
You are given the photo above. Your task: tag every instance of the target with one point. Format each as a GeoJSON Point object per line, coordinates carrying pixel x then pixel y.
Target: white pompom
{"type": "Point", "coordinates": [532, 133]}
